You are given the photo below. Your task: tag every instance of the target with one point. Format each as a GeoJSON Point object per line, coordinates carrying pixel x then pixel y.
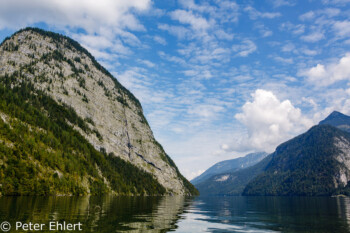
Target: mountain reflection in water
{"type": "Point", "coordinates": [183, 214]}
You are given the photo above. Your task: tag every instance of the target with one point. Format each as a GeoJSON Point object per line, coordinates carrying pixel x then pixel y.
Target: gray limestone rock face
{"type": "Point", "coordinates": [72, 77]}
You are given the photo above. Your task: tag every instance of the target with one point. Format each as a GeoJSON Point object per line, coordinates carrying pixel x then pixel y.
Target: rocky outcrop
{"type": "Point", "coordinates": [69, 74]}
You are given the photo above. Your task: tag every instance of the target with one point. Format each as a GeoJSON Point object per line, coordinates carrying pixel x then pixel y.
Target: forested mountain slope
{"type": "Point", "coordinates": [94, 127]}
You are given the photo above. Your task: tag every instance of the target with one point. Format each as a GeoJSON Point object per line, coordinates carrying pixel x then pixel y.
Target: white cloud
{"type": "Point", "coordinates": [313, 37]}
{"type": "Point", "coordinates": [188, 17]}
{"type": "Point", "coordinates": [160, 40]}
{"type": "Point", "coordinates": [307, 16]}
{"type": "Point", "coordinates": [227, 11]}
{"type": "Point", "coordinates": [136, 80]}
{"type": "Point", "coordinates": [102, 25]}
{"type": "Point", "coordinates": [289, 47]}
{"type": "Point", "coordinates": [147, 63]}
{"type": "Point", "coordinates": [309, 52]}
{"type": "Point", "coordinates": [283, 60]}
{"type": "Point", "coordinates": [191, 174]}
{"type": "Point", "coordinates": [205, 111]}
{"type": "Point", "coordinates": [296, 29]}
{"type": "Point", "coordinates": [269, 122]}
{"type": "Point", "coordinates": [278, 3]}
{"type": "Point", "coordinates": [190, 4]}
{"type": "Point", "coordinates": [342, 28]}
{"type": "Point", "coordinates": [179, 31]}
{"type": "Point", "coordinates": [255, 14]}
{"type": "Point", "coordinates": [97, 44]}
{"type": "Point", "coordinates": [221, 34]}
{"type": "Point", "coordinates": [95, 41]}
{"type": "Point", "coordinates": [336, 2]}
{"type": "Point", "coordinates": [91, 15]}
{"type": "Point", "coordinates": [162, 118]}
{"type": "Point", "coordinates": [328, 12]}
{"type": "Point", "coordinates": [324, 75]}
{"type": "Point", "coordinates": [104, 56]}
{"type": "Point", "coordinates": [199, 73]}
{"type": "Point", "coordinates": [264, 31]}
{"type": "Point", "coordinates": [310, 101]}
{"type": "Point", "coordinates": [223, 11]}
{"type": "Point", "coordinates": [243, 50]}
{"type": "Point", "coordinates": [170, 58]}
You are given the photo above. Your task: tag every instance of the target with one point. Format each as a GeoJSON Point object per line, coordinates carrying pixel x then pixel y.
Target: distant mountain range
{"type": "Point", "coordinates": [231, 165]}
{"type": "Point", "coordinates": [232, 183]}
{"type": "Point", "coordinates": [312, 164]}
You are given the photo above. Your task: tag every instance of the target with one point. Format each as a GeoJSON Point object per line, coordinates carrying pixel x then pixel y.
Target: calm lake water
{"type": "Point", "coordinates": [179, 214]}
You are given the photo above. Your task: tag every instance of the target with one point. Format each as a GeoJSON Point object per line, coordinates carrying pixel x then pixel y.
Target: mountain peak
{"type": "Point", "coordinates": [336, 114]}
{"type": "Point", "coordinates": [110, 117]}
{"type": "Point", "coordinates": [60, 43]}
{"type": "Point", "coordinates": [337, 119]}
{"type": "Point", "coordinates": [314, 163]}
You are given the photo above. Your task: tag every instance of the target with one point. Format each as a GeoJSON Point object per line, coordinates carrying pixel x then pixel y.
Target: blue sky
{"type": "Point", "coordinates": [216, 79]}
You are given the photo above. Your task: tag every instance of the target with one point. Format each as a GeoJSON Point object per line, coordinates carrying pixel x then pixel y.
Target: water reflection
{"type": "Point", "coordinates": [180, 214]}
{"type": "Point", "coordinates": [163, 217]}
{"type": "Point", "coordinates": [268, 214]}
{"type": "Point", "coordinates": [97, 214]}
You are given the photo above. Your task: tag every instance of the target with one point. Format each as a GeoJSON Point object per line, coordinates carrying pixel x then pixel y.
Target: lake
{"type": "Point", "coordinates": [176, 214]}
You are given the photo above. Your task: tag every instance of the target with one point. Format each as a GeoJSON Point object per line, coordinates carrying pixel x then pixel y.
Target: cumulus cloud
{"type": "Point", "coordinates": [102, 25]}
{"type": "Point", "coordinates": [324, 75]}
{"type": "Point", "coordinates": [87, 14]}
{"type": "Point", "coordinates": [269, 122]}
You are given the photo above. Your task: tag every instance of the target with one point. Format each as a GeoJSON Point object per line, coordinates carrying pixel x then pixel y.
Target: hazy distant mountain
{"type": "Point", "coordinates": [314, 163]}
{"type": "Point", "coordinates": [338, 120]}
{"type": "Point", "coordinates": [230, 166]}
{"type": "Point", "coordinates": [67, 126]}
{"type": "Point", "coordinates": [232, 183]}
